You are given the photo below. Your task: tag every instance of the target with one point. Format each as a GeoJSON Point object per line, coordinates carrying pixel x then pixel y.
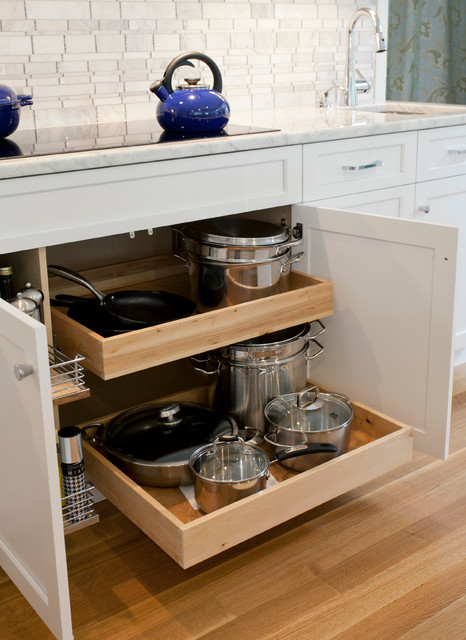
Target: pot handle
{"type": "Point", "coordinates": [321, 330]}
{"type": "Point", "coordinates": [200, 363]}
{"type": "Point", "coordinates": [183, 59]}
{"type": "Point", "coordinates": [96, 438]}
{"type": "Point", "coordinates": [314, 355]}
{"type": "Point", "coordinates": [288, 245]}
{"type": "Point", "coordinates": [304, 450]}
{"type": "Point", "coordinates": [293, 259]}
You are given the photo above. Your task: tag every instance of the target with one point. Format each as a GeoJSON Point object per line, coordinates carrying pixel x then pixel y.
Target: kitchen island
{"type": "Point", "coordinates": [394, 276]}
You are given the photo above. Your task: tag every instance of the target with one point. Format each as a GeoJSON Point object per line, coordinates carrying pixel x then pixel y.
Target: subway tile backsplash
{"type": "Point", "coordinates": [94, 60]}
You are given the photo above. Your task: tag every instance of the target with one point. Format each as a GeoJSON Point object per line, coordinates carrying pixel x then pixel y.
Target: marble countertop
{"type": "Point", "coordinates": [291, 127]}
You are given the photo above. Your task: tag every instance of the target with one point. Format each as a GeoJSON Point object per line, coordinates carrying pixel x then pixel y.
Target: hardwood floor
{"type": "Point", "coordinates": [383, 562]}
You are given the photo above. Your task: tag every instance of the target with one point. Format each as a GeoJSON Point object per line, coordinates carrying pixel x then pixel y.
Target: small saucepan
{"type": "Point", "coordinates": [307, 417]}
{"type": "Point", "coordinates": [230, 469]}
{"type": "Point", "coordinates": [141, 308]}
{"type": "Point", "coordinates": [152, 443]}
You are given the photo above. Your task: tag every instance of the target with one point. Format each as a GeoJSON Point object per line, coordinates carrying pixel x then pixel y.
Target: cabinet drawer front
{"type": "Point", "coordinates": [92, 203]}
{"type": "Point", "coordinates": [378, 445]}
{"type": "Point", "coordinates": [442, 153]}
{"type": "Point", "coordinates": [358, 164]}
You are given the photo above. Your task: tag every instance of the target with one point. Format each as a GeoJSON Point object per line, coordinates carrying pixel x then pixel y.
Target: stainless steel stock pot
{"type": "Point", "coordinates": [252, 372]}
{"type": "Point", "coordinates": [234, 260]}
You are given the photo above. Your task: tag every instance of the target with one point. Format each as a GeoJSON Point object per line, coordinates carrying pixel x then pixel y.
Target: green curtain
{"type": "Point", "coordinates": [427, 51]}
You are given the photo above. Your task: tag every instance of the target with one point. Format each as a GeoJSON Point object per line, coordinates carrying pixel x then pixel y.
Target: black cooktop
{"type": "Point", "coordinates": [89, 137]}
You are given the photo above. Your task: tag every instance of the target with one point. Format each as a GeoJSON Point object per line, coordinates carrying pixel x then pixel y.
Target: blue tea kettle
{"type": "Point", "coordinates": [192, 108]}
{"type": "Point", "coordinates": [10, 105]}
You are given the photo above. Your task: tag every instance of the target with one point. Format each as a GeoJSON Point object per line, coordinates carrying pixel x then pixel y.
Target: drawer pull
{"type": "Point", "coordinates": [458, 151]}
{"type": "Point", "coordinates": [370, 165]}
{"type": "Point", "coordinates": [425, 208]}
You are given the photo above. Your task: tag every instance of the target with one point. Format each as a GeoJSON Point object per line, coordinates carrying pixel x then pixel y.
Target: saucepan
{"type": "Point", "coordinates": [152, 443]}
{"type": "Point", "coordinates": [136, 309]}
{"type": "Point", "coordinates": [230, 469]}
{"type": "Point", "coordinates": [307, 417]}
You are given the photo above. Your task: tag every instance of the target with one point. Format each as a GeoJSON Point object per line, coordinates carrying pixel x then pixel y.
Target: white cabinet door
{"type": "Point", "coordinates": [32, 546]}
{"type": "Point", "coordinates": [444, 202]}
{"type": "Point", "coordinates": [389, 342]}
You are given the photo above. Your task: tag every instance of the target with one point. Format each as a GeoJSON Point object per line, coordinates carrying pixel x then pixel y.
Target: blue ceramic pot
{"type": "Point", "coordinates": [10, 105]}
{"type": "Point", "coordinates": [191, 108]}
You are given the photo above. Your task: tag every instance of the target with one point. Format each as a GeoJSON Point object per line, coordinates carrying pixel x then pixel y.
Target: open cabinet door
{"type": "Point", "coordinates": [389, 342]}
{"type": "Point", "coordinates": [32, 546]}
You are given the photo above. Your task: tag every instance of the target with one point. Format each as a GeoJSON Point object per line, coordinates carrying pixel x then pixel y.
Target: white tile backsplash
{"type": "Point", "coordinates": [88, 60]}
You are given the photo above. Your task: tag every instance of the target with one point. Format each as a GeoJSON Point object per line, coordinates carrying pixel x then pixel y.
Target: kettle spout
{"type": "Point", "coordinates": [159, 90]}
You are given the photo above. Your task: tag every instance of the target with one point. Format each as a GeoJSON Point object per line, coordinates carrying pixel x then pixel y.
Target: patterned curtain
{"type": "Point", "coordinates": [427, 51]}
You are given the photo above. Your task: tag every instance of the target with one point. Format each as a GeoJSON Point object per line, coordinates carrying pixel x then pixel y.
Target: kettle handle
{"type": "Point", "coordinates": [183, 59]}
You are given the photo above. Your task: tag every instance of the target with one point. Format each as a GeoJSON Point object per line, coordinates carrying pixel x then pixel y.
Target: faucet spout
{"type": "Point", "coordinates": [351, 83]}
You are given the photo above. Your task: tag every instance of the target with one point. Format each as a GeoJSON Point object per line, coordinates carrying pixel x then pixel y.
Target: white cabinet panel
{"type": "Point", "coordinates": [442, 153]}
{"type": "Point", "coordinates": [397, 202]}
{"type": "Point", "coordinates": [389, 340]}
{"type": "Point", "coordinates": [444, 202]}
{"type": "Point", "coordinates": [32, 548]}
{"type": "Point", "coordinates": [100, 202]}
{"type": "Point", "coordinates": [341, 167]}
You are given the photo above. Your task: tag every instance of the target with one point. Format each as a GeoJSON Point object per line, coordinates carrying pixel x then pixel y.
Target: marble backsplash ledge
{"type": "Point", "coordinates": [94, 60]}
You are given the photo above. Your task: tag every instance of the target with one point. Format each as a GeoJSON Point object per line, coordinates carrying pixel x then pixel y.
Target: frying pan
{"type": "Point", "coordinates": [88, 312]}
{"type": "Point", "coordinates": [134, 308]}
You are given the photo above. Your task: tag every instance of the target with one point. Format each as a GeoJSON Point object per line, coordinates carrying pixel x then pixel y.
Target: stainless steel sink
{"type": "Point", "coordinates": [410, 108]}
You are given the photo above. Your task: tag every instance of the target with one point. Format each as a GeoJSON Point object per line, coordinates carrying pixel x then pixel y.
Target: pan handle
{"type": "Point", "coordinates": [304, 450]}
{"type": "Point", "coordinates": [69, 274]}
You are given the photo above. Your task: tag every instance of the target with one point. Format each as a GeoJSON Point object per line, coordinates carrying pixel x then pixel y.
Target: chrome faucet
{"type": "Point", "coordinates": [355, 85]}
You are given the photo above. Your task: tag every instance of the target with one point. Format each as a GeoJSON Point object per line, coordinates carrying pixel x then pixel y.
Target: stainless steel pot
{"type": "Point", "coordinates": [234, 260]}
{"type": "Point", "coordinates": [252, 372]}
{"type": "Point", "coordinates": [152, 443]}
{"type": "Point", "coordinates": [231, 469]}
{"type": "Point", "coordinates": [307, 417]}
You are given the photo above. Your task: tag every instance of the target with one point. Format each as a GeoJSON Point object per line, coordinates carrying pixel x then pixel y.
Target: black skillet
{"type": "Point", "coordinates": [134, 309]}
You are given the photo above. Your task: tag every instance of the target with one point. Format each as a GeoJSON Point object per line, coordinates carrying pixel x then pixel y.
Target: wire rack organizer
{"type": "Point", "coordinates": [78, 509]}
{"type": "Point", "coordinates": [66, 376]}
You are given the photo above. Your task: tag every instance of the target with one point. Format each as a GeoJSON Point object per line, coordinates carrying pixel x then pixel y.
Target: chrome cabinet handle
{"type": "Point", "coordinates": [457, 151]}
{"type": "Point", "coordinates": [425, 208]}
{"type": "Point", "coordinates": [22, 371]}
{"type": "Point", "coordinates": [369, 165]}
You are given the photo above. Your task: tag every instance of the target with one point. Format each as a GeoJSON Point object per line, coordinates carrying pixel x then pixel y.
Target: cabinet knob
{"type": "Point", "coordinates": [22, 371]}
{"type": "Point", "coordinates": [425, 208]}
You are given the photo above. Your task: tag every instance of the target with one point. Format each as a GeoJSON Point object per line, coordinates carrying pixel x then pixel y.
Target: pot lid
{"type": "Point", "coordinates": [309, 411]}
{"type": "Point", "coordinates": [154, 432]}
{"type": "Point", "coordinates": [237, 231]}
{"type": "Point", "coordinates": [229, 459]}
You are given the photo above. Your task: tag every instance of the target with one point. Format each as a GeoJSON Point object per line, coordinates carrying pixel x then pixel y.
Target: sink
{"type": "Point", "coordinates": [410, 108]}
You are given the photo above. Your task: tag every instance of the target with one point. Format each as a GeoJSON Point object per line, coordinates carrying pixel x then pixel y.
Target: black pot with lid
{"type": "Point", "coordinates": [152, 443]}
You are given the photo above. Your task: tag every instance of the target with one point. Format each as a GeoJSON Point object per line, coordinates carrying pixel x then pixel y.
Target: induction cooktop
{"type": "Point", "coordinates": [90, 137]}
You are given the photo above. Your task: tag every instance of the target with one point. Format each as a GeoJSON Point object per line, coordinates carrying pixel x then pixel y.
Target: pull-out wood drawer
{"type": "Point", "coordinates": [378, 444]}
{"type": "Point", "coordinates": [308, 299]}
{"type": "Point", "coordinates": [354, 165]}
{"type": "Point", "coordinates": [442, 153]}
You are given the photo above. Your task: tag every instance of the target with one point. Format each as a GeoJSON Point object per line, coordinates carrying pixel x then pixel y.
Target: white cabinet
{"type": "Point", "coordinates": [444, 202]}
{"type": "Point", "coordinates": [32, 548]}
{"type": "Point", "coordinates": [388, 344]}
{"type": "Point", "coordinates": [395, 202]}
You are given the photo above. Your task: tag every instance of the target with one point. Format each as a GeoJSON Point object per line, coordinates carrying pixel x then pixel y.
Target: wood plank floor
{"type": "Point", "coordinates": [383, 562]}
